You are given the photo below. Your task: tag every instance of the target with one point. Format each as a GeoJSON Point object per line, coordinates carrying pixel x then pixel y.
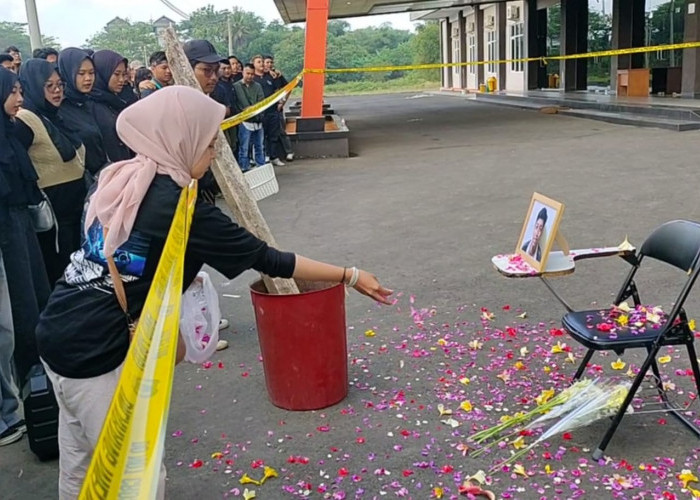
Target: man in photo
{"type": "Point", "coordinates": [532, 247]}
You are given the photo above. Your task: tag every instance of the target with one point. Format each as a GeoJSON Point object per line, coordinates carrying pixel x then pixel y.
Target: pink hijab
{"type": "Point", "coordinates": [169, 130]}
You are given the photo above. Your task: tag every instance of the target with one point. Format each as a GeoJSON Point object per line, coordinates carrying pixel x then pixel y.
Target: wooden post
{"type": "Point", "coordinates": [228, 174]}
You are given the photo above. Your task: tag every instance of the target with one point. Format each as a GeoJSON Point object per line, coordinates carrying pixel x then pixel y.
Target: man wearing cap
{"type": "Point", "coordinates": [205, 64]}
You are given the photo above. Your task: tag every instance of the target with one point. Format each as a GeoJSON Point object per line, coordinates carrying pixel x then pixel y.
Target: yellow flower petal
{"type": "Point", "coordinates": [547, 369]}
{"type": "Point", "coordinates": [686, 476]}
{"type": "Point", "coordinates": [248, 494]}
{"type": "Point", "coordinates": [624, 307]}
{"type": "Point", "coordinates": [370, 333]}
{"type": "Point", "coordinates": [505, 376]}
{"type": "Point", "coordinates": [519, 443]}
{"type": "Point", "coordinates": [269, 472]}
{"type": "Point", "coordinates": [479, 477]}
{"type": "Point", "coordinates": [618, 365]}
{"type": "Point", "coordinates": [623, 320]}
{"type": "Point", "coordinates": [443, 411]}
{"type": "Point", "coordinates": [216, 455]}
{"type": "Point", "coordinates": [691, 325]}
{"type": "Point", "coordinates": [437, 492]}
{"type": "Point", "coordinates": [545, 396]}
{"type": "Point", "coordinates": [558, 348]}
{"type": "Point", "coordinates": [246, 479]}
{"type": "Point", "coordinates": [466, 406]}
{"type": "Point", "coordinates": [464, 380]}
{"type": "Point", "coordinates": [695, 493]}
{"type": "Point", "coordinates": [571, 358]}
{"type": "Point", "coordinates": [442, 342]}
{"type": "Point", "coordinates": [451, 422]}
{"type": "Point", "coordinates": [520, 470]}
{"type": "Point", "coordinates": [548, 469]}
{"type": "Point", "coordinates": [475, 344]}
{"type": "Point", "coordinates": [519, 365]}
{"type": "Point", "coordinates": [664, 359]}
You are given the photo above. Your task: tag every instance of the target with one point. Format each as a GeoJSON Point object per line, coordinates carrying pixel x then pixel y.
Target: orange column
{"type": "Point", "coordinates": [314, 58]}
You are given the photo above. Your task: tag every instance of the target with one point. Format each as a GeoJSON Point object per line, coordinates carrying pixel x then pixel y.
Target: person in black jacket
{"type": "Point", "coordinates": [57, 155]}
{"type": "Point", "coordinates": [174, 134]}
{"type": "Point", "coordinates": [78, 72]}
{"type": "Point", "coordinates": [26, 277]}
{"type": "Point", "coordinates": [111, 76]}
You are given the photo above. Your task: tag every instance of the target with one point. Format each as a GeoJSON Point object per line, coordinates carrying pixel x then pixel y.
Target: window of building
{"type": "Point", "coordinates": [471, 45]}
{"type": "Point", "coordinates": [517, 46]}
{"type": "Point", "coordinates": [492, 50]}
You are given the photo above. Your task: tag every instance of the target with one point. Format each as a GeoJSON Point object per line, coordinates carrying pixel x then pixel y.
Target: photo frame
{"type": "Point", "coordinates": [540, 231]}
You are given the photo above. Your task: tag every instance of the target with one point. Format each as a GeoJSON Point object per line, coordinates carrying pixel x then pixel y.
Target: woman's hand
{"type": "Point", "coordinates": [368, 285]}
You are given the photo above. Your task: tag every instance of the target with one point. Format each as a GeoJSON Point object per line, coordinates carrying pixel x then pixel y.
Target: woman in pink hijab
{"type": "Point", "coordinates": [83, 335]}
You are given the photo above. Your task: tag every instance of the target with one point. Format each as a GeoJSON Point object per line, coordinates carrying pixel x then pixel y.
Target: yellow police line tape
{"type": "Point", "coordinates": [543, 60]}
{"type": "Point", "coordinates": [258, 108]}
{"type": "Point", "coordinates": [127, 460]}
{"type": "Point", "coordinates": [251, 111]}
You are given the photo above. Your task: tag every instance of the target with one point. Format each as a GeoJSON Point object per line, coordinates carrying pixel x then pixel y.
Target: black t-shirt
{"type": "Point", "coordinates": [83, 333]}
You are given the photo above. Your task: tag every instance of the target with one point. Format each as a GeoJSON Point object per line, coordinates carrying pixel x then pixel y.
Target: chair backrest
{"type": "Point", "coordinates": [676, 243]}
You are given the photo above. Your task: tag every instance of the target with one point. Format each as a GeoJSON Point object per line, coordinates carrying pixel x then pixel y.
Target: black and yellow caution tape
{"type": "Point", "coordinates": [127, 460]}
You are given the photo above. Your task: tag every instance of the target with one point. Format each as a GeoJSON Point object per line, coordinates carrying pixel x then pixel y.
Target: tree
{"type": "Point", "coordinates": [425, 44]}
{"type": "Point", "coordinates": [289, 53]}
{"type": "Point", "coordinates": [210, 24]}
{"type": "Point", "coordinates": [132, 40]}
{"type": "Point", "coordinates": [16, 34]}
{"type": "Point", "coordinates": [268, 40]}
{"type": "Point", "coordinates": [659, 24]}
{"type": "Point", "coordinates": [338, 27]}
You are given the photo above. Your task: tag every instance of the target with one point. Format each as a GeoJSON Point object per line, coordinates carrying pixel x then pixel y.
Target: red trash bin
{"type": "Point", "coordinates": [304, 346]}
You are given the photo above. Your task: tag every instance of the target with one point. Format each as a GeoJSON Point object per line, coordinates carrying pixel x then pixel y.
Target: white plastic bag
{"type": "Point", "coordinates": [199, 319]}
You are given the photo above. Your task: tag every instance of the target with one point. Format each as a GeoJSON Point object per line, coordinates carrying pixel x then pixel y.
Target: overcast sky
{"type": "Point", "coordinates": [73, 21]}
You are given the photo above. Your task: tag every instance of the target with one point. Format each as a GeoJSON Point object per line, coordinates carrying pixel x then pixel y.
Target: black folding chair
{"type": "Point", "coordinates": [676, 243]}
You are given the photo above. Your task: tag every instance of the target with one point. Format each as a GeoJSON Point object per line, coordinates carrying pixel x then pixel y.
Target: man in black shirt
{"type": "Point", "coordinates": [279, 82]}
{"type": "Point", "coordinates": [225, 89]}
{"type": "Point", "coordinates": [205, 63]}
{"type": "Point", "coordinates": [270, 118]}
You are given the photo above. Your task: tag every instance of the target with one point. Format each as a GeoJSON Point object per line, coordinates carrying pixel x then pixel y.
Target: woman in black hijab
{"type": "Point", "coordinates": [78, 72]}
{"type": "Point", "coordinates": [112, 72]}
{"type": "Point", "coordinates": [26, 278]}
{"type": "Point", "coordinates": [57, 155]}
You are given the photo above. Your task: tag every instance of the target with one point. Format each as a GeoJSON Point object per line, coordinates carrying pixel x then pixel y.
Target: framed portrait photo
{"type": "Point", "coordinates": [539, 230]}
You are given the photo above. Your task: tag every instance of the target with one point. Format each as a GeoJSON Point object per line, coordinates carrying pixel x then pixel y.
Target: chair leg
{"type": "Point", "coordinates": [598, 453]}
{"type": "Point", "coordinates": [582, 366]}
{"type": "Point", "coordinates": [657, 375]}
{"type": "Point", "coordinates": [677, 411]}
{"type": "Point", "coordinates": [694, 366]}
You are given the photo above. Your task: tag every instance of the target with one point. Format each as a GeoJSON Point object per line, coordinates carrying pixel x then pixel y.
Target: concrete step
{"type": "Point", "coordinates": [679, 120]}
{"type": "Point", "coordinates": [657, 110]}
{"type": "Point", "coordinates": [635, 120]}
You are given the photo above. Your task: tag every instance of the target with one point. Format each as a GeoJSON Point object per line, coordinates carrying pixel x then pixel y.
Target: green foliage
{"type": "Point", "coordinates": [375, 46]}
{"type": "Point", "coordinates": [16, 34]}
{"type": "Point", "coordinates": [135, 40]}
{"type": "Point", "coordinates": [664, 19]}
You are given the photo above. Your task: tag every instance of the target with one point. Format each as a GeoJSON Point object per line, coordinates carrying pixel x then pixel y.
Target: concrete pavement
{"type": "Point", "coordinates": [435, 188]}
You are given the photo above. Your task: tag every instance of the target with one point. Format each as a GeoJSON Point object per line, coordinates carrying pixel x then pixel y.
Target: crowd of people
{"type": "Point", "coordinates": [94, 152]}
